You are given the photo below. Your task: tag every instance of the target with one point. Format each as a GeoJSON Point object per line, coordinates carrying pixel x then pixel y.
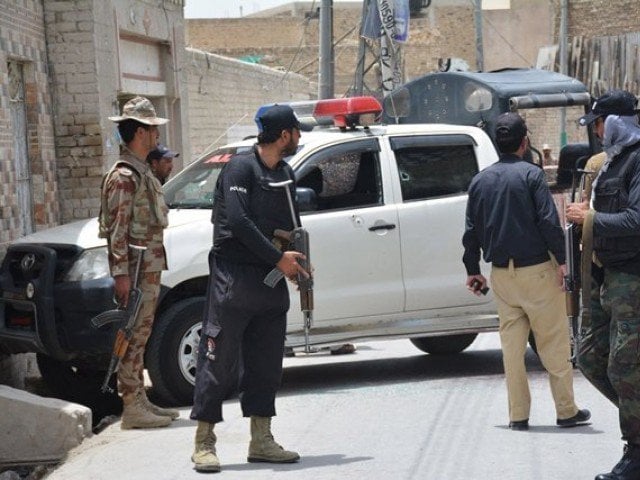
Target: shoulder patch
{"type": "Point", "coordinates": [127, 172]}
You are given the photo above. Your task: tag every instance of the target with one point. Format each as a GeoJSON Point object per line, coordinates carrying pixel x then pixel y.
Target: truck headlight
{"type": "Point", "coordinates": [91, 265]}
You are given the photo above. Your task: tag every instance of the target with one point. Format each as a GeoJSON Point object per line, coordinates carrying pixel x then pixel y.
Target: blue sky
{"type": "Point", "coordinates": [229, 8]}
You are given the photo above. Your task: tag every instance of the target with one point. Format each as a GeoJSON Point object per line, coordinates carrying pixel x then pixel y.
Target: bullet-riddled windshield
{"type": "Point", "coordinates": [193, 187]}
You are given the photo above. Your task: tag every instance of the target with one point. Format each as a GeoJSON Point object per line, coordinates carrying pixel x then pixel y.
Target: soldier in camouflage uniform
{"type": "Point", "coordinates": [133, 212]}
{"type": "Point", "coordinates": [609, 354]}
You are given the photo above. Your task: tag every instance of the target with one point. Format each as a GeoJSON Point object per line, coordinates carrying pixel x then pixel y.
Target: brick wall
{"type": "Point", "coordinates": [224, 95]}
{"type": "Point", "coordinates": [246, 33]}
{"type": "Point", "coordinates": [83, 39]}
{"type": "Point", "coordinates": [444, 30]}
{"type": "Point", "coordinates": [545, 127]}
{"type": "Point", "coordinates": [69, 50]}
{"type": "Point", "coordinates": [595, 18]}
{"type": "Point", "coordinates": [604, 44]}
{"type": "Point", "coordinates": [70, 34]}
{"type": "Point", "coordinates": [22, 40]}
{"type": "Point", "coordinates": [292, 42]}
{"type": "Point", "coordinates": [512, 37]}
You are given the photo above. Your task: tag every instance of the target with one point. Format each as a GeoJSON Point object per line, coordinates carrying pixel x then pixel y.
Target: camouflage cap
{"type": "Point", "coordinates": [140, 109]}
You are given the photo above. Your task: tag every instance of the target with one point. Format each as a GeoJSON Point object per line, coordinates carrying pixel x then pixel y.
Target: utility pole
{"type": "Point", "coordinates": [477, 16]}
{"type": "Point", "coordinates": [325, 74]}
{"type": "Point", "coordinates": [563, 67]}
{"type": "Point", "coordinates": [383, 38]}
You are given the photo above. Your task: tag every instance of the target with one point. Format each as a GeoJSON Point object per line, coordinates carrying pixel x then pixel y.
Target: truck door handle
{"type": "Point", "coordinates": [384, 226]}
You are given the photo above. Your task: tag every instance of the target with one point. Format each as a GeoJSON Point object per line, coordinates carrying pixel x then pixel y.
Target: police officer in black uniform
{"type": "Point", "coordinates": [609, 354]}
{"type": "Point", "coordinates": [245, 320]}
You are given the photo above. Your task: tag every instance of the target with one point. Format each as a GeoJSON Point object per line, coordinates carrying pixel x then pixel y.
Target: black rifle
{"type": "Point", "coordinates": [299, 241]}
{"type": "Point", "coordinates": [126, 316]}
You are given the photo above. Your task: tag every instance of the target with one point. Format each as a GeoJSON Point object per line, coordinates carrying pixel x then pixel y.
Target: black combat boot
{"type": "Point", "coordinates": [628, 468]}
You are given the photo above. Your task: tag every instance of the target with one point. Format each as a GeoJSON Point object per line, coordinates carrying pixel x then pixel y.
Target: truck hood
{"type": "Point", "coordinates": [84, 233]}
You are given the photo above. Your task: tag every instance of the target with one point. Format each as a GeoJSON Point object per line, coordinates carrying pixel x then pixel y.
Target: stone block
{"type": "Point", "coordinates": [38, 429]}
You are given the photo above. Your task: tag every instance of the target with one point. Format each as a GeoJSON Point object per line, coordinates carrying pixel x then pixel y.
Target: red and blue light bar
{"type": "Point", "coordinates": [346, 112]}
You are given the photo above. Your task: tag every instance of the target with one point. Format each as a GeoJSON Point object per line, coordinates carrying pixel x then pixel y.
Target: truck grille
{"type": "Point", "coordinates": [25, 265]}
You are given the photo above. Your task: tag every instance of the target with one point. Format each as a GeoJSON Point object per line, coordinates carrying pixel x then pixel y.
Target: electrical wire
{"type": "Point", "coordinates": [307, 20]}
{"type": "Point", "coordinates": [495, 29]}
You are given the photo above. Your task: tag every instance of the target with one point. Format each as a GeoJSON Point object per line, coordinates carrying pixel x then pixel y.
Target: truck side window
{"type": "Point", "coordinates": [343, 178]}
{"type": "Point", "coordinates": [432, 170]}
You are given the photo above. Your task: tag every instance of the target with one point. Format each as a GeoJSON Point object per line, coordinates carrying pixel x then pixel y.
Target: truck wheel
{"type": "Point", "coordinates": [80, 385]}
{"type": "Point", "coordinates": [446, 345]}
{"type": "Point", "coordinates": [172, 351]}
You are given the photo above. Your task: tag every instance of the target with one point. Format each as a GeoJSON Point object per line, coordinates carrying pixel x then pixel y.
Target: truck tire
{"type": "Point", "coordinates": [171, 351]}
{"type": "Point", "coordinates": [80, 385]}
{"type": "Point", "coordinates": [446, 345]}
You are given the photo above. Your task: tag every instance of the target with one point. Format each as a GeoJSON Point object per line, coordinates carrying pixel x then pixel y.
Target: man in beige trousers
{"type": "Point", "coordinates": [511, 217]}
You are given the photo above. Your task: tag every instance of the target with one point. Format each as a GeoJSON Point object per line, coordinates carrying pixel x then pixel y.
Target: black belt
{"type": "Point", "coordinates": [523, 262]}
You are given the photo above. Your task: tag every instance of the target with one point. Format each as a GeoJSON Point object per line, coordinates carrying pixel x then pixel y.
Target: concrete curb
{"type": "Point", "coordinates": [35, 429]}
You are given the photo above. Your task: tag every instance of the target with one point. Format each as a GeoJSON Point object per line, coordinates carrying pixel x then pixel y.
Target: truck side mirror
{"type": "Point", "coordinates": [307, 199]}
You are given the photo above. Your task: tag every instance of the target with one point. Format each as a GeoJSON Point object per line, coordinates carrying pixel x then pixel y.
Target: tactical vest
{"type": "Point", "coordinates": [149, 214]}
{"type": "Point", "coordinates": [612, 196]}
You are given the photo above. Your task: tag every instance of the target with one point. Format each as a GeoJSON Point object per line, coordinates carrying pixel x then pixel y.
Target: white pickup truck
{"type": "Point", "coordinates": [384, 206]}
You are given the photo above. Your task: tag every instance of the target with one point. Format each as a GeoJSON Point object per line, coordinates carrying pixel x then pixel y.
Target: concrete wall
{"type": "Point", "coordinates": [512, 37]}
{"type": "Point", "coordinates": [224, 95]}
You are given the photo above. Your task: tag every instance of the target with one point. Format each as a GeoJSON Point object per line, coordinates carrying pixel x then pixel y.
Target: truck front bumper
{"type": "Point", "coordinates": [39, 313]}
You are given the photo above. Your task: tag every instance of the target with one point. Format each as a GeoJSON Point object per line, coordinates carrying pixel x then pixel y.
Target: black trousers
{"type": "Point", "coordinates": [244, 323]}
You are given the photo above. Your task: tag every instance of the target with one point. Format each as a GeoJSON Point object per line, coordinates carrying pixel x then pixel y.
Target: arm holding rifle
{"type": "Point", "coordinates": [126, 313]}
{"type": "Point", "coordinates": [298, 240]}
{"type": "Point", "coordinates": [290, 265]}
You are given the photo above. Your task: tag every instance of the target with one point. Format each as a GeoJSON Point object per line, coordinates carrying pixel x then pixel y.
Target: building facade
{"type": "Point", "coordinates": [67, 65]}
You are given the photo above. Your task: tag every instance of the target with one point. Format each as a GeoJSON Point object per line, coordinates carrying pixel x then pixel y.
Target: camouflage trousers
{"type": "Point", "coordinates": [609, 354]}
{"type": "Point", "coordinates": [130, 372]}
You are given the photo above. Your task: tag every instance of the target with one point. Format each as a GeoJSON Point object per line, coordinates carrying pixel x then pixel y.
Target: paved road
{"type": "Point", "coordinates": [386, 412]}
